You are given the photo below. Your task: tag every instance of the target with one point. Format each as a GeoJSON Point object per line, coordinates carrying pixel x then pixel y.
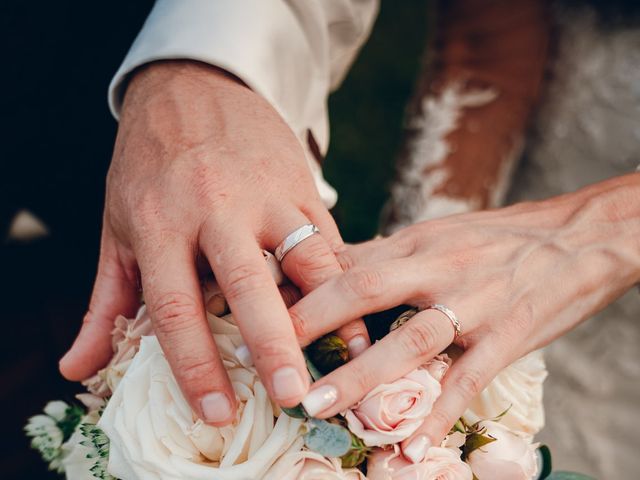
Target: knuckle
{"type": "Point", "coordinates": [418, 338]}
{"type": "Point", "coordinates": [244, 280]}
{"type": "Point", "coordinates": [470, 383]}
{"type": "Point", "coordinates": [404, 242]}
{"type": "Point", "coordinates": [363, 283]}
{"type": "Point", "coordinates": [271, 347]}
{"type": "Point", "coordinates": [315, 263]}
{"type": "Point", "coordinates": [300, 323]}
{"type": "Point", "coordinates": [523, 317]}
{"type": "Point", "coordinates": [346, 260]}
{"type": "Point", "coordinates": [365, 380]}
{"type": "Point", "coordinates": [173, 312]}
{"type": "Point", "coordinates": [195, 373]}
{"type": "Point", "coordinates": [440, 420]}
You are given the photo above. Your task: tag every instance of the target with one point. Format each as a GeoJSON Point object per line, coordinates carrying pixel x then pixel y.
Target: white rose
{"type": "Point", "coordinates": [307, 465]}
{"type": "Point", "coordinates": [155, 435]}
{"type": "Point", "coordinates": [519, 389]}
{"type": "Point", "coordinates": [75, 462]}
{"type": "Point", "coordinates": [510, 457]}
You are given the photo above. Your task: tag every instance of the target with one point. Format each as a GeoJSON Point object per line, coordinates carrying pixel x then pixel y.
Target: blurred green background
{"type": "Point", "coordinates": [367, 115]}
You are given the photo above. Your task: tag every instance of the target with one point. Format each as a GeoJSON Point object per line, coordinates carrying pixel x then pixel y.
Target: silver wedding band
{"type": "Point", "coordinates": [450, 315]}
{"type": "Point", "coordinates": [294, 238]}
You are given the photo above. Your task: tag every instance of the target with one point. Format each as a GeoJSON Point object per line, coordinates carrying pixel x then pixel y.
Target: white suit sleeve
{"type": "Point", "coordinates": [292, 52]}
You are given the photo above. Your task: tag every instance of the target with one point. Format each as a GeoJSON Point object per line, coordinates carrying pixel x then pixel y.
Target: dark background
{"type": "Point", "coordinates": [55, 145]}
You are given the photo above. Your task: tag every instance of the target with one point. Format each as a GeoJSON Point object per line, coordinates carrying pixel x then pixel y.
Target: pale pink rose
{"type": "Point", "coordinates": [446, 464]}
{"type": "Point", "coordinates": [510, 457]}
{"type": "Point", "coordinates": [125, 341]}
{"type": "Point", "coordinates": [439, 464]}
{"type": "Point", "coordinates": [392, 412]}
{"type": "Point", "coordinates": [307, 465]}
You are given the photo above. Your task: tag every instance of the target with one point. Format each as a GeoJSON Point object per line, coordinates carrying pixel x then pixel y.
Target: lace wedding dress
{"type": "Point", "coordinates": [586, 130]}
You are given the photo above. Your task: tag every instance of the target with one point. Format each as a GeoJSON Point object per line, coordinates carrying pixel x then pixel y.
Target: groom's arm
{"type": "Point", "coordinates": [291, 52]}
{"type": "Point", "coordinates": [218, 100]}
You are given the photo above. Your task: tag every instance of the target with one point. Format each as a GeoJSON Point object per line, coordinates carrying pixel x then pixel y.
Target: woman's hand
{"type": "Point", "coordinates": [203, 165]}
{"type": "Point", "coordinates": [517, 278]}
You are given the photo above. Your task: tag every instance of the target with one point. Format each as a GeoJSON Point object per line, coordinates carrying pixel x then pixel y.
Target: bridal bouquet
{"type": "Point", "coordinates": [134, 424]}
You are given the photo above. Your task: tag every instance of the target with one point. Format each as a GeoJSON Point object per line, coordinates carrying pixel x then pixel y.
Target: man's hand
{"type": "Point", "coordinates": [203, 165]}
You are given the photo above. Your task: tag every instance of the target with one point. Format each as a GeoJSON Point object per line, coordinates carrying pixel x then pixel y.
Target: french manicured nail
{"type": "Point", "coordinates": [287, 383]}
{"type": "Point", "coordinates": [320, 399]}
{"type": "Point", "coordinates": [244, 356]}
{"type": "Point", "coordinates": [417, 449]}
{"type": "Point", "coordinates": [216, 407]}
{"type": "Point", "coordinates": [357, 345]}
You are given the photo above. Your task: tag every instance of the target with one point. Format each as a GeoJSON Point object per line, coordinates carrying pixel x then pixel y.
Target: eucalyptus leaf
{"type": "Point", "coordinates": [568, 476]}
{"type": "Point", "coordinates": [315, 373]}
{"type": "Point", "coordinates": [545, 465]}
{"type": "Point", "coordinates": [327, 439]}
{"type": "Point", "coordinates": [296, 412]}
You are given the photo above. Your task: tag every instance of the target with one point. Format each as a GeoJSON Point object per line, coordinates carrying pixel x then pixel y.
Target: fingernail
{"type": "Point", "coordinates": [244, 356]}
{"type": "Point", "coordinates": [320, 399]}
{"type": "Point", "coordinates": [216, 407]}
{"type": "Point", "coordinates": [287, 383]}
{"type": "Point", "coordinates": [417, 449]}
{"type": "Point", "coordinates": [357, 345]}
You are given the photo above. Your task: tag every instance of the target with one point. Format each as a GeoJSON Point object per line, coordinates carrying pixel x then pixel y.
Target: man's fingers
{"type": "Point", "coordinates": [115, 293]}
{"type": "Point", "coordinates": [355, 293]}
{"type": "Point", "coordinates": [290, 294]}
{"type": "Point", "coordinates": [174, 300]}
{"type": "Point", "coordinates": [471, 373]}
{"type": "Point", "coordinates": [310, 264]}
{"type": "Point", "coordinates": [263, 319]}
{"type": "Point", "coordinates": [404, 349]}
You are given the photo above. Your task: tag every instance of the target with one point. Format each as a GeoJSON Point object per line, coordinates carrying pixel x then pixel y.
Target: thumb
{"type": "Point", "coordinates": [115, 293]}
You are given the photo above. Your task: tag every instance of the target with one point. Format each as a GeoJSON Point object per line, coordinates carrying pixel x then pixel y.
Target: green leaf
{"type": "Point", "coordinates": [568, 476]}
{"type": "Point", "coordinates": [546, 465]}
{"type": "Point", "coordinates": [296, 412]}
{"type": "Point", "coordinates": [357, 454]}
{"type": "Point", "coordinates": [327, 439]}
{"type": "Point", "coordinates": [315, 373]}
{"type": "Point", "coordinates": [474, 442]}
{"type": "Point", "coordinates": [328, 353]}
{"type": "Point", "coordinates": [71, 420]}
{"type": "Point", "coordinates": [98, 441]}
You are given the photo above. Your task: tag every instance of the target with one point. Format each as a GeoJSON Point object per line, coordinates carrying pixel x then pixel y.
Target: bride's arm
{"type": "Point", "coordinates": [482, 78]}
{"type": "Point", "coordinates": [517, 278]}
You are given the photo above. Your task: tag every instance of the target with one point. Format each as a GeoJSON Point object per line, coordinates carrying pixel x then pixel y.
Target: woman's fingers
{"type": "Point", "coordinates": [468, 376]}
{"type": "Point", "coordinates": [259, 310]}
{"type": "Point", "coordinates": [355, 293]}
{"type": "Point", "coordinates": [115, 293]}
{"type": "Point", "coordinates": [380, 249]}
{"type": "Point", "coordinates": [174, 299]}
{"type": "Point", "coordinates": [420, 339]}
{"type": "Point", "coordinates": [310, 264]}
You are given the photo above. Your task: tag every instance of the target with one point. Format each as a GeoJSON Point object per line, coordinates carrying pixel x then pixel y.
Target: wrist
{"type": "Point", "coordinates": [605, 222]}
{"type": "Point", "coordinates": [156, 84]}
